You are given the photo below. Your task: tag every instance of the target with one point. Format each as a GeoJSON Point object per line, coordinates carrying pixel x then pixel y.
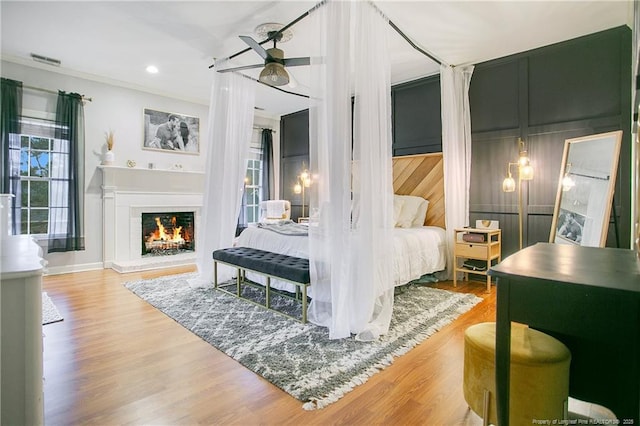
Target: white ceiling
{"type": "Point", "coordinates": [115, 41]}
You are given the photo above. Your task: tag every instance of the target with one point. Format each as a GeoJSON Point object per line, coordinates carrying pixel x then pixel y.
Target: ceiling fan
{"type": "Point", "coordinates": [274, 72]}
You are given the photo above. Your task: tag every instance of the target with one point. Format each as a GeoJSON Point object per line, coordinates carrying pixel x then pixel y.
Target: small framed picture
{"type": "Point", "coordinates": [171, 132]}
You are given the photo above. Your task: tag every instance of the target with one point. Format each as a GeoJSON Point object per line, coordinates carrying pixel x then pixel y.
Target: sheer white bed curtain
{"type": "Point", "coordinates": [351, 270]}
{"type": "Point", "coordinates": [351, 201]}
{"type": "Point", "coordinates": [231, 115]}
{"type": "Point", "coordinates": [456, 149]}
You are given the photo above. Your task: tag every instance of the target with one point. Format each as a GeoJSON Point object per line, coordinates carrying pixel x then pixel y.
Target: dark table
{"type": "Point", "coordinates": [589, 299]}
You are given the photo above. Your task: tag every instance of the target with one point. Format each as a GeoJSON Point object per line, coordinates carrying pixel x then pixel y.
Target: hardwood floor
{"type": "Point", "coordinates": [117, 360]}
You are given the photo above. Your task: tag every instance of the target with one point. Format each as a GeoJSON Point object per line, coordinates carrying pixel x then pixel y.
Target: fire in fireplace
{"type": "Point", "coordinates": [167, 233]}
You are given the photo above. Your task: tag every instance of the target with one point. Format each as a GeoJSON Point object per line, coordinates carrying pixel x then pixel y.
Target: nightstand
{"type": "Point", "coordinates": [482, 248]}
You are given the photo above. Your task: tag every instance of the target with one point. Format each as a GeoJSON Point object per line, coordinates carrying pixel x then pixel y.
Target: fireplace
{"type": "Point", "coordinates": [166, 234]}
{"type": "Point", "coordinates": [127, 193]}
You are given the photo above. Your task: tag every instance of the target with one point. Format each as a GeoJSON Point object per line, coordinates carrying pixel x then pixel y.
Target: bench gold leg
{"type": "Point", "coordinates": [268, 294]}
{"type": "Point", "coordinates": [304, 304]}
{"type": "Point", "coordinates": [215, 274]}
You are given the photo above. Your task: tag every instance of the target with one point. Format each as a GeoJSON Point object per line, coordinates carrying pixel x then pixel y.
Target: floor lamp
{"type": "Point", "coordinates": [525, 172]}
{"type": "Point", "coordinates": [304, 181]}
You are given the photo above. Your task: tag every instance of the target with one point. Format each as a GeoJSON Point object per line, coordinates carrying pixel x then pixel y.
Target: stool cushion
{"type": "Point", "coordinates": [539, 379]}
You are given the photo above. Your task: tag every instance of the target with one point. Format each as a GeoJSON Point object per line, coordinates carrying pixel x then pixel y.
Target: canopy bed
{"type": "Point", "coordinates": [418, 248]}
{"type": "Point", "coordinates": [350, 237]}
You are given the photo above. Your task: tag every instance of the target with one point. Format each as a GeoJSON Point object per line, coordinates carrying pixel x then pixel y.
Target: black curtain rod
{"type": "Point", "coordinates": [418, 48]}
{"type": "Point", "coordinates": [282, 90]}
{"type": "Point", "coordinates": [273, 87]}
{"type": "Point", "coordinates": [304, 15]}
{"type": "Point", "coordinates": [53, 92]}
{"type": "Point", "coordinates": [277, 33]}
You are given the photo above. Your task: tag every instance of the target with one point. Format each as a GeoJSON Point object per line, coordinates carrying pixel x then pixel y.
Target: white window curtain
{"type": "Point", "coordinates": [230, 126]}
{"type": "Point", "coordinates": [351, 268]}
{"type": "Point", "coordinates": [456, 149]}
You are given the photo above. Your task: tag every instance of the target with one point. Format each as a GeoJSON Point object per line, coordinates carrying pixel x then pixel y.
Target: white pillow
{"type": "Point", "coordinates": [397, 208]}
{"type": "Point", "coordinates": [421, 215]}
{"type": "Point", "coordinates": [413, 212]}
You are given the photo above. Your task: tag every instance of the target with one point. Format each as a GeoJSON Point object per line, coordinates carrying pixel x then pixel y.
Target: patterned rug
{"type": "Point", "coordinates": [49, 311]}
{"type": "Point", "coordinates": [300, 358]}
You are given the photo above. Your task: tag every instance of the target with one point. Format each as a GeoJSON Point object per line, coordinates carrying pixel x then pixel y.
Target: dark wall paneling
{"type": "Point", "coordinates": [575, 80]}
{"type": "Point", "coordinates": [571, 89]}
{"type": "Point", "coordinates": [294, 134]}
{"type": "Point", "coordinates": [539, 228]}
{"type": "Point", "coordinates": [493, 96]}
{"type": "Point", "coordinates": [294, 157]}
{"type": "Point", "coordinates": [489, 160]}
{"type": "Point", "coordinates": [417, 126]}
{"type": "Point", "coordinates": [290, 169]}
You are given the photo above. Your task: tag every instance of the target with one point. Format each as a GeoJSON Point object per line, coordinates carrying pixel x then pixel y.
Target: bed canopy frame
{"type": "Point", "coordinates": [429, 175]}
{"type": "Point", "coordinates": [274, 35]}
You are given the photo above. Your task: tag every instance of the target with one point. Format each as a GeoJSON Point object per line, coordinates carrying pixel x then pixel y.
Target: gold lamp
{"type": "Point", "coordinates": [525, 172]}
{"type": "Point", "coordinates": [303, 181]}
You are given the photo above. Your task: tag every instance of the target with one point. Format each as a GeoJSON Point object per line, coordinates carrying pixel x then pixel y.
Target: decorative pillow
{"type": "Point", "coordinates": [421, 215]}
{"type": "Point", "coordinates": [408, 212]}
{"type": "Point", "coordinates": [413, 212]}
{"type": "Point", "coordinates": [397, 208]}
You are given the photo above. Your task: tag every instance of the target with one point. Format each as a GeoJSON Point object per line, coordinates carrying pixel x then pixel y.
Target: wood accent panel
{"type": "Point", "coordinates": [422, 175]}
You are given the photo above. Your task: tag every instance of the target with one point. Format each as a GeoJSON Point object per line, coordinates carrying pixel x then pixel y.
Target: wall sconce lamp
{"type": "Point", "coordinates": [525, 172]}
{"type": "Point", "coordinates": [303, 181]}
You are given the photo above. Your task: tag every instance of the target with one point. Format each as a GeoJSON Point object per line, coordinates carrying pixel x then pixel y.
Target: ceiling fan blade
{"type": "Point", "coordinates": [245, 67]}
{"type": "Point", "coordinates": [255, 46]}
{"type": "Point", "coordinates": [294, 62]}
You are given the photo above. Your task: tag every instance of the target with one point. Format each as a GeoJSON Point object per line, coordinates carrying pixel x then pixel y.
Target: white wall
{"type": "Point", "coordinates": [119, 109]}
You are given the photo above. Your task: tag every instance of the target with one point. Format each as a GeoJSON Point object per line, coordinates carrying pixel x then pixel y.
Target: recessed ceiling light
{"type": "Point", "coordinates": [152, 69]}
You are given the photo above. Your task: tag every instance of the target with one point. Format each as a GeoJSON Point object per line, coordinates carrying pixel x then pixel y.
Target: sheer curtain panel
{"type": "Point", "coordinates": [456, 149]}
{"type": "Point", "coordinates": [350, 267]}
{"type": "Point", "coordinates": [66, 189]}
{"type": "Point", "coordinates": [230, 126]}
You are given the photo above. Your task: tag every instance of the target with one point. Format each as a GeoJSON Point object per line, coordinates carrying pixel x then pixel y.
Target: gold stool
{"type": "Point", "coordinates": [539, 378]}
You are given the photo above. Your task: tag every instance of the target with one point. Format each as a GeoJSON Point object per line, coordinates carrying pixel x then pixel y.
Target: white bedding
{"type": "Point", "coordinates": [417, 251]}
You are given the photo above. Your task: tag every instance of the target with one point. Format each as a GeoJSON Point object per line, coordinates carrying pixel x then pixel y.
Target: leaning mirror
{"type": "Point", "coordinates": [585, 190]}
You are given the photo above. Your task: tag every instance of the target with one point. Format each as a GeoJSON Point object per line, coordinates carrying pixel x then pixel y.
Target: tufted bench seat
{"type": "Point", "coordinates": [272, 265]}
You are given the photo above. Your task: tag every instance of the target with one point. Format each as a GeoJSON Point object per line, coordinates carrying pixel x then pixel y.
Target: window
{"type": "Point", "coordinates": [253, 186]}
{"type": "Point", "coordinates": [45, 170]}
{"type": "Point", "coordinates": [38, 152]}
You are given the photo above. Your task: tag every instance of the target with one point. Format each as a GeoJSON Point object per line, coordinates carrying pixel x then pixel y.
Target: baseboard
{"type": "Point", "coordinates": [68, 269]}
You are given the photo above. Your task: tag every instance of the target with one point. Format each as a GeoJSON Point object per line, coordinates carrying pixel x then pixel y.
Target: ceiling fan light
{"type": "Point", "coordinates": [274, 74]}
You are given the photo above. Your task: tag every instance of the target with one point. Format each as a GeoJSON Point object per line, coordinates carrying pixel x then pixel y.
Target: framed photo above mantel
{"type": "Point", "coordinates": [171, 132]}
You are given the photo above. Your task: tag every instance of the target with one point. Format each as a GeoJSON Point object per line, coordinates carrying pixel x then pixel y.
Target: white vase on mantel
{"type": "Point", "coordinates": [107, 158]}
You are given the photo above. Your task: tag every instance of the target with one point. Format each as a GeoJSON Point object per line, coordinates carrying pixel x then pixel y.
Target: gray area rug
{"type": "Point", "coordinates": [300, 358]}
{"type": "Point", "coordinates": [49, 311]}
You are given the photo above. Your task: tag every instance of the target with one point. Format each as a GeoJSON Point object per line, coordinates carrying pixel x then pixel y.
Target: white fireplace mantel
{"type": "Point", "coordinates": [129, 192]}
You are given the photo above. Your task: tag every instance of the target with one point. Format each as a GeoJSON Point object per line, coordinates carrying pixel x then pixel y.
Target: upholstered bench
{"type": "Point", "coordinates": [272, 265]}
